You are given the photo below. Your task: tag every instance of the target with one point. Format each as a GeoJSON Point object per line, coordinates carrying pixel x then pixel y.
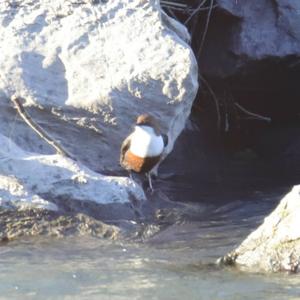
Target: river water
{"type": "Point", "coordinates": [177, 262]}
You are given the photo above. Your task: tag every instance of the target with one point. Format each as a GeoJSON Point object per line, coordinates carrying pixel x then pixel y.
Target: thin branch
{"type": "Point", "coordinates": [195, 11]}
{"type": "Point", "coordinates": [186, 10]}
{"type": "Point", "coordinates": [41, 132]}
{"type": "Point", "coordinates": [215, 100]}
{"type": "Point", "coordinates": [179, 9]}
{"type": "Point", "coordinates": [173, 3]}
{"type": "Point", "coordinates": [205, 28]}
{"type": "Point", "coordinates": [256, 116]}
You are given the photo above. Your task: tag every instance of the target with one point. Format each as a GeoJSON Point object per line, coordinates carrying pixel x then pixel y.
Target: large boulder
{"type": "Point", "coordinates": [29, 179]}
{"type": "Point", "coordinates": [86, 70]}
{"type": "Point", "coordinates": [252, 31]}
{"type": "Point", "coordinates": [251, 57]}
{"type": "Point", "coordinates": [275, 245]}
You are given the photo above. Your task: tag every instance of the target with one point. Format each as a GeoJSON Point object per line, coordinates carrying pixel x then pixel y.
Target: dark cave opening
{"type": "Point", "coordinates": [247, 115]}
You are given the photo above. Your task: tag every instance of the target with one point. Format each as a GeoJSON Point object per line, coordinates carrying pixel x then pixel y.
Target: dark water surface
{"type": "Point", "coordinates": [175, 263]}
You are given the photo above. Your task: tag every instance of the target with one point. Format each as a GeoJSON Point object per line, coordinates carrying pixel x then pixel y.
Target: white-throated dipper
{"type": "Point", "coordinates": [143, 148]}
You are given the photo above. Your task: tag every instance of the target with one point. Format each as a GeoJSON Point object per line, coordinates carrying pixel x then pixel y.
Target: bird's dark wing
{"type": "Point", "coordinates": [124, 147]}
{"type": "Point", "coordinates": [165, 139]}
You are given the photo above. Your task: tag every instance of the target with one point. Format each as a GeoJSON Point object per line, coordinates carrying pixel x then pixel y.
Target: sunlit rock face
{"type": "Point", "coordinates": [275, 245]}
{"type": "Point", "coordinates": [86, 70]}
{"type": "Point", "coordinates": [30, 179]}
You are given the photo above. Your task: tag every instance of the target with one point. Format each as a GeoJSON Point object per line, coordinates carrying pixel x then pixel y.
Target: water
{"type": "Point", "coordinates": [175, 263]}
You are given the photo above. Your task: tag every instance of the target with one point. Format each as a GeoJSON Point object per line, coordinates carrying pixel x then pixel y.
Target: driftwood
{"type": "Point", "coordinates": [40, 131]}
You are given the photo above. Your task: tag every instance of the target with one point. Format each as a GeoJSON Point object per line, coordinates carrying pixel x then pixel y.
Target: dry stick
{"type": "Point", "coordinates": [256, 116]}
{"type": "Point", "coordinates": [205, 28]}
{"type": "Point", "coordinates": [186, 10]}
{"type": "Point", "coordinates": [182, 10]}
{"type": "Point", "coordinates": [41, 132]}
{"type": "Point", "coordinates": [195, 11]}
{"type": "Point", "coordinates": [194, 23]}
{"type": "Point", "coordinates": [173, 3]}
{"type": "Point", "coordinates": [215, 99]}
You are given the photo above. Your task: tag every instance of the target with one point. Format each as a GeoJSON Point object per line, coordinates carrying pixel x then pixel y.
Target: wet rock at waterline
{"type": "Point", "coordinates": [36, 222]}
{"type": "Point", "coordinates": [275, 245]}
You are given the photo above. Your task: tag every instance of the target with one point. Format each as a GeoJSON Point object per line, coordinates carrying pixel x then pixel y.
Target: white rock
{"type": "Point", "coordinates": [86, 72]}
{"type": "Point", "coordinates": [27, 179]}
{"type": "Point", "coordinates": [110, 61]}
{"type": "Point", "coordinates": [13, 194]}
{"type": "Point", "coordinates": [275, 245]}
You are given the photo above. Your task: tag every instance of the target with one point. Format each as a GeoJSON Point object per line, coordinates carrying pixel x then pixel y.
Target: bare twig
{"type": "Point", "coordinates": [195, 11]}
{"type": "Point", "coordinates": [187, 10]}
{"type": "Point", "coordinates": [178, 9]}
{"type": "Point", "coordinates": [41, 132]}
{"type": "Point", "coordinates": [205, 28]}
{"type": "Point", "coordinates": [173, 3]}
{"type": "Point", "coordinates": [256, 116]}
{"type": "Point", "coordinates": [215, 100]}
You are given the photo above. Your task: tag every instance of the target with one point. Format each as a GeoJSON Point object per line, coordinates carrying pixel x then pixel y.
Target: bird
{"type": "Point", "coordinates": [142, 150]}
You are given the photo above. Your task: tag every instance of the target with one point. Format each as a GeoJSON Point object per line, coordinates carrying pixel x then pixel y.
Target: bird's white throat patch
{"type": "Point", "coordinates": [145, 143]}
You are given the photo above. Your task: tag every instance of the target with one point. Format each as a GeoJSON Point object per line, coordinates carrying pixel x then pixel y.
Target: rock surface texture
{"type": "Point", "coordinates": [86, 70]}
{"type": "Point", "coordinates": [275, 245]}
{"type": "Point", "coordinates": [252, 31]}
{"type": "Point", "coordinates": [28, 179]}
{"type": "Point", "coordinates": [252, 56]}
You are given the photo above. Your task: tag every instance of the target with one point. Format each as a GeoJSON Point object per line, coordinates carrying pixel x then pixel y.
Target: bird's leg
{"type": "Point", "coordinates": [150, 181]}
{"type": "Point", "coordinates": [130, 175]}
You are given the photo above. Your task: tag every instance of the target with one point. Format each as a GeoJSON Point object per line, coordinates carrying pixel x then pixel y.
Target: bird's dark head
{"type": "Point", "coordinates": [147, 120]}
